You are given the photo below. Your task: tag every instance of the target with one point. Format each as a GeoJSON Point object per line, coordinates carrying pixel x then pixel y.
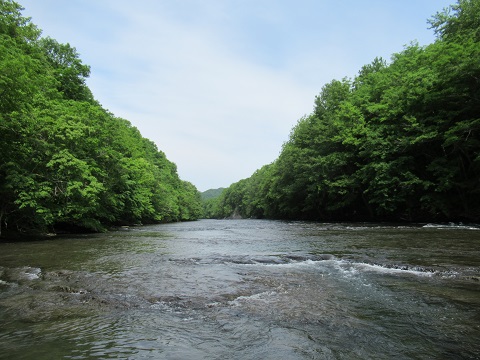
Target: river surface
{"type": "Point", "coordinates": [244, 289]}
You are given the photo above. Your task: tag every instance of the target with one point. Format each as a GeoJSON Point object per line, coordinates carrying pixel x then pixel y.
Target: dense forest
{"type": "Point", "coordinates": [399, 141]}
{"type": "Point", "coordinates": [66, 162]}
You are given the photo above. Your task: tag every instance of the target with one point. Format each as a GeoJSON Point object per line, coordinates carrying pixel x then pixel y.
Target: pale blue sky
{"type": "Point", "coordinates": [218, 85]}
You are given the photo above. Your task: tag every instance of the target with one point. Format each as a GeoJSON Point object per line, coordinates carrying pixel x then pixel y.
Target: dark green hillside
{"type": "Point", "coordinates": [211, 193]}
{"type": "Point", "coordinates": [67, 162]}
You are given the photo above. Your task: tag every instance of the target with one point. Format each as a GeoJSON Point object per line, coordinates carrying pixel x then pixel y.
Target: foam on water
{"type": "Point", "coordinates": [294, 264]}
{"type": "Point", "coordinates": [392, 270]}
{"type": "Point", "coordinates": [347, 267]}
{"type": "Point", "coordinates": [22, 273]}
{"type": "Point", "coordinates": [32, 273]}
{"type": "Point", "coordinates": [453, 226]}
{"type": "Point", "coordinates": [259, 297]}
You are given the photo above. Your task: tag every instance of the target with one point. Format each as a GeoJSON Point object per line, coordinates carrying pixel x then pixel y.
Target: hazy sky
{"type": "Point", "coordinates": [218, 84]}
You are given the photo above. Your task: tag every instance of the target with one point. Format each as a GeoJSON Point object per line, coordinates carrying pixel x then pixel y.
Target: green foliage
{"type": "Point", "coordinates": [16, 26]}
{"type": "Point", "coordinates": [458, 20]}
{"type": "Point", "coordinates": [66, 162]}
{"type": "Point", "coordinates": [67, 69]}
{"type": "Point", "coordinates": [210, 203]}
{"type": "Point", "coordinates": [400, 141]}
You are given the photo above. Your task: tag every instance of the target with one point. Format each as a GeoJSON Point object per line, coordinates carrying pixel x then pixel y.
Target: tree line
{"type": "Point", "coordinates": [65, 161]}
{"type": "Point", "coordinates": [399, 141]}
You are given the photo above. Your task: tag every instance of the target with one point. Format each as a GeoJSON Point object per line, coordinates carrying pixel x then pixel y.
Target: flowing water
{"type": "Point", "coordinates": [244, 289]}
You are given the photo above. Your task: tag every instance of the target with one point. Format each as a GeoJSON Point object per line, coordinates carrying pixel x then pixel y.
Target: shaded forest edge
{"type": "Point", "coordinates": [68, 164]}
{"type": "Point", "coordinates": [398, 142]}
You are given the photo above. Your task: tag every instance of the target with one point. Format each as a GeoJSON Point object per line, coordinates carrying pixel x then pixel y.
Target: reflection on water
{"type": "Point", "coordinates": [246, 289]}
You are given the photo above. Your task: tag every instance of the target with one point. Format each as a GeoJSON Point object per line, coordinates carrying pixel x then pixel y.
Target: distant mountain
{"type": "Point", "coordinates": [211, 193]}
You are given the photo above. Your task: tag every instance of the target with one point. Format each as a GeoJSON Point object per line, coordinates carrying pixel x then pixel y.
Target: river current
{"type": "Point", "coordinates": [244, 289]}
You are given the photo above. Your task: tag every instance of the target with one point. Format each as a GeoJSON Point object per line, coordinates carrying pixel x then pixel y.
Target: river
{"type": "Point", "coordinates": [244, 289]}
